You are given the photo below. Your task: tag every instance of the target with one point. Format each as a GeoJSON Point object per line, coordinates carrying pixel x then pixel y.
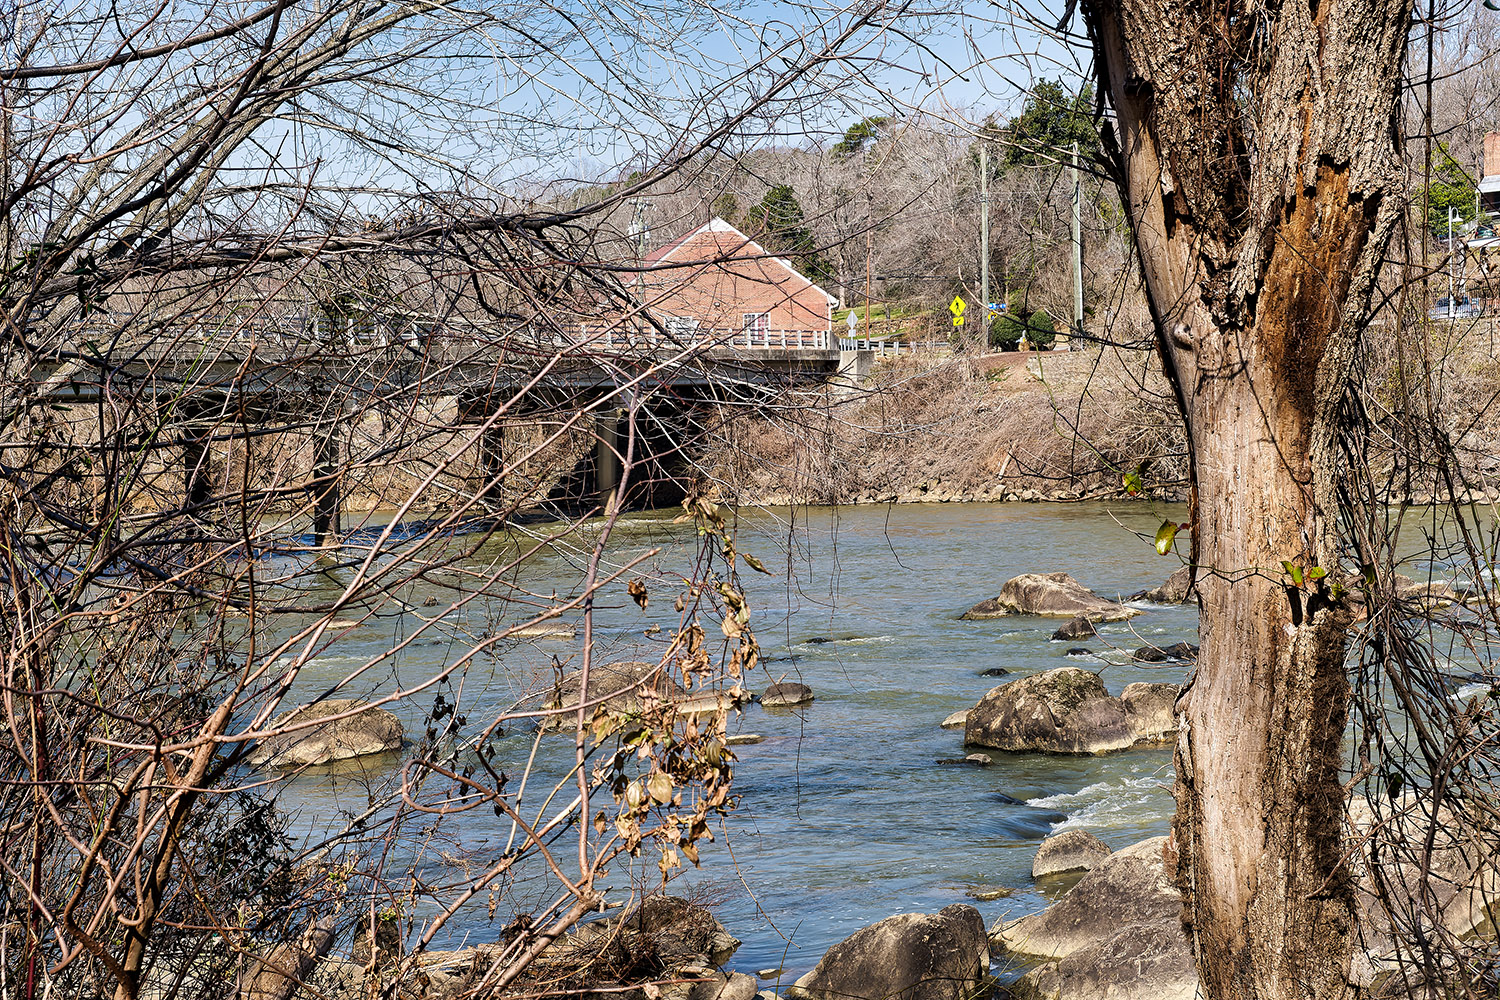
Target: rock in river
{"type": "Point", "coordinates": [956, 720]}
{"type": "Point", "coordinates": [1068, 710]}
{"type": "Point", "coordinates": [1177, 589]}
{"type": "Point", "coordinates": [786, 694]}
{"type": "Point", "coordinates": [912, 956]}
{"type": "Point", "coordinates": [366, 731]}
{"type": "Point", "coordinates": [1161, 654]}
{"type": "Point", "coordinates": [1118, 932]}
{"type": "Point", "coordinates": [1069, 851]}
{"type": "Point", "coordinates": [627, 686]}
{"type": "Point", "coordinates": [1079, 628]}
{"type": "Point", "coordinates": [1053, 595]}
{"type": "Point", "coordinates": [972, 760]}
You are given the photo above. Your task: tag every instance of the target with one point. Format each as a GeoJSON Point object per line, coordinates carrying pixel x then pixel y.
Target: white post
{"type": "Point", "coordinates": [984, 246]}
{"type": "Point", "coordinates": [1077, 247]}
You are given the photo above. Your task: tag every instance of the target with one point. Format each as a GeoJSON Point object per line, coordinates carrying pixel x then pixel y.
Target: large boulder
{"type": "Point", "coordinates": [628, 687]}
{"type": "Point", "coordinates": [785, 694]}
{"type": "Point", "coordinates": [1178, 589]}
{"type": "Point", "coordinates": [1147, 961]}
{"type": "Point", "coordinates": [1151, 708]}
{"type": "Point", "coordinates": [913, 956]}
{"type": "Point", "coordinates": [1069, 851]}
{"type": "Point", "coordinates": [1116, 933]}
{"type": "Point", "coordinates": [1051, 595]}
{"type": "Point", "coordinates": [1439, 870]}
{"type": "Point", "coordinates": [352, 729]}
{"type": "Point", "coordinates": [1068, 710]}
{"type": "Point", "coordinates": [1127, 888]}
{"type": "Point", "coordinates": [277, 972]}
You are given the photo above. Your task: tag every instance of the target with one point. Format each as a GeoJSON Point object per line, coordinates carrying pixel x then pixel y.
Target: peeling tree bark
{"type": "Point", "coordinates": [1257, 151]}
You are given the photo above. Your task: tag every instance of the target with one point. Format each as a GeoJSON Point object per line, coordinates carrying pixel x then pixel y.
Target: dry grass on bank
{"type": "Point", "coordinates": [924, 427]}
{"type": "Point", "coordinates": [1069, 425]}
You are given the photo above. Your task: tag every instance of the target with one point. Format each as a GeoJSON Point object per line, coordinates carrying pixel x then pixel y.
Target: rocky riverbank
{"type": "Point", "coordinates": [1068, 426]}
{"type": "Point", "coordinates": [935, 429]}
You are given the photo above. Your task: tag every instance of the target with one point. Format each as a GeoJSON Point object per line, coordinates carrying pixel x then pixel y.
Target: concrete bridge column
{"type": "Point", "coordinates": [325, 483]}
{"type": "Point", "coordinates": [609, 442]}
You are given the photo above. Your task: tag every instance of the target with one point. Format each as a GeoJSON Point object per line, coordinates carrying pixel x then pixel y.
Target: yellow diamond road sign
{"type": "Point", "coordinates": [956, 307]}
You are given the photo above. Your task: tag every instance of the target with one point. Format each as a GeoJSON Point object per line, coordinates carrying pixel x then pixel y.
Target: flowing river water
{"type": "Point", "coordinates": [844, 815]}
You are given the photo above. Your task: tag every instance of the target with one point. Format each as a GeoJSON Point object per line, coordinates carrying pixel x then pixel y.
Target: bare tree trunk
{"type": "Point", "coordinates": [1256, 150]}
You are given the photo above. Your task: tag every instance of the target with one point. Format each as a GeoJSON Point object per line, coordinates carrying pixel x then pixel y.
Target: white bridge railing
{"type": "Point", "coordinates": [297, 329]}
{"type": "Point", "coordinates": [748, 339]}
{"type": "Point", "coordinates": [880, 346]}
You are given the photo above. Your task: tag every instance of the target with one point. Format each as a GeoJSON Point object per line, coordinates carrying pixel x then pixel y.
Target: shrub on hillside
{"type": "Point", "coordinates": [1041, 330]}
{"type": "Point", "coordinates": [1006, 332]}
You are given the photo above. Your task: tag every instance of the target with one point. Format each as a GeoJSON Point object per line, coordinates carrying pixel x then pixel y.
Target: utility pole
{"type": "Point", "coordinates": [869, 251]}
{"type": "Point", "coordinates": [984, 245]}
{"type": "Point", "coordinates": [1077, 248]}
{"type": "Point", "coordinates": [642, 233]}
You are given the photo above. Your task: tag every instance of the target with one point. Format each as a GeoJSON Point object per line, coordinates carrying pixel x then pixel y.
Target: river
{"type": "Point", "coordinates": [845, 817]}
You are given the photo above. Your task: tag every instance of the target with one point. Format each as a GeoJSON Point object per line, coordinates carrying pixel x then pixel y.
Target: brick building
{"type": "Point", "coordinates": [716, 283]}
{"type": "Point", "coordinates": [1489, 181]}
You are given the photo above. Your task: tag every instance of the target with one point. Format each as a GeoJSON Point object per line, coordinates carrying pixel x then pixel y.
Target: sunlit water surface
{"type": "Point", "coordinates": [844, 815]}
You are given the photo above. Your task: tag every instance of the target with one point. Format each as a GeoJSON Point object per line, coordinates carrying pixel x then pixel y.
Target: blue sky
{"type": "Point", "coordinates": [617, 87]}
{"type": "Point", "coordinates": [523, 94]}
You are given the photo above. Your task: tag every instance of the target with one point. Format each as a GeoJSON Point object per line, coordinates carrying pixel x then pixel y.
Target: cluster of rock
{"type": "Point", "coordinates": [666, 940]}
{"type": "Point", "coordinates": [1068, 710]}
{"type": "Point", "coordinates": [1438, 870]}
{"type": "Point", "coordinates": [632, 687]}
{"type": "Point", "coordinates": [338, 729]}
{"type": "Point", "coordinates": [1118, 931]}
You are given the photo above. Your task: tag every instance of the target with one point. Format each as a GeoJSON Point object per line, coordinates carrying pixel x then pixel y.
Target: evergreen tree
{"type": "Point", "coordinates": [778, 223]}
{"type": "Point", "coordinates": [727, 207]}
{"type": "Point", "coordinates": [1450, 187]}
{"type": "Point", "coordinates": [866, 131]}
{"type": "Point", "coordinates": [1050, 122]}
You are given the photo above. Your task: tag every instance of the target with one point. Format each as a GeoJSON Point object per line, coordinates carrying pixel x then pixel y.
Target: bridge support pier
{"type": "Point", "coordinates": [325, 484]}
{"type": "Point", "coordinates": [609, 441]}
{"type": "Point", "coordinates": [492, 460]}
{"type": "Point", "coordinates": [196, 476]}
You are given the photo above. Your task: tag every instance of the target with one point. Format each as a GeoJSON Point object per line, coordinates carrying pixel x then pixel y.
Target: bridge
{"type": "Point", "coordinates": [286, 368]}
